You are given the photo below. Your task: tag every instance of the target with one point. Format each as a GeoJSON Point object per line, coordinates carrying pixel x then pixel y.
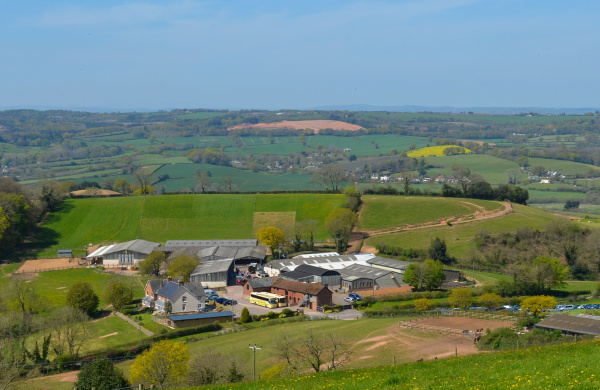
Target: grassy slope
{"type": "Point", "coordinates": [459, 237]}
{"type": "Point", "coordinates": [79, 222]}
{"type": "Point", "coordinates": [565, 366]}
{"type": "Point", "coordinates": [384, 212]}
{"type": "Point", "coordinates": [561, 166]}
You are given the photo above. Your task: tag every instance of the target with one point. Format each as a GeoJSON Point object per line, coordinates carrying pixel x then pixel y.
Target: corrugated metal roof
{"type": "Point", "coordinates": [231, 243]}
{"type": "Point", "coordinates": [198, 316]}
{"type": "Point", "coordinates": [291, 285]}
{"type": "Point", "coordinates": [566, 323]}
{"type": "Point", "coordinates": [141, 246]}
{"type": "Point", "coordinates": [213, 266]}
{"type": "Point", "coordinates": [390, 263]}
{"type": "Point", "coordinates": [364, 271]}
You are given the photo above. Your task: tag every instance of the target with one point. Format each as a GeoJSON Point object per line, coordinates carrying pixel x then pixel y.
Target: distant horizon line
{"type": "Point", "coordinates": [492, 110]}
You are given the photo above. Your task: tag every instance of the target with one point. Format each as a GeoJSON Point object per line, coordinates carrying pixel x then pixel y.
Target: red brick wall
{"type": "Point", "coordinates": [247, 289]}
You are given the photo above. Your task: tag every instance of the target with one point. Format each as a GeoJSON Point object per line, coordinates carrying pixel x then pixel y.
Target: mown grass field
{"type": "Point", "coordinates": [386, 212]}
{"type": "Point", "coordinates": [567, 366]}
{"type": "Point", "coordinates": [459, 237]}
{"type": "Point", "coordinates": [79, 222]}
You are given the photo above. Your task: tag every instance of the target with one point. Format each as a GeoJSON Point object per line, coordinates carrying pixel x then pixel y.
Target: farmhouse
{"type": "Point", "coordinates": [257, 285]}
{"type": "Point", "coordinates": [581, 324]}
{"type": "Point", "coordinates": [308, 295]}
{"type": "Point", "coordinates": [127, 254]}
{"type": "Point", "coordinates": [310, 274]}
{"type": "Point", "coordinates": [183, 297]}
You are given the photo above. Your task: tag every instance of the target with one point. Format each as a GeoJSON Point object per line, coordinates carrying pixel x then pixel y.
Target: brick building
{"type": "Point", "coordinates": [309, 295]}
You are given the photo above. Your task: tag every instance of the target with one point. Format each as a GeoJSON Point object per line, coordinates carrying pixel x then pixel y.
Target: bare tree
{"type": "Point", "coordinates": [228, 180]}
{"type": "Point", "coordinates": [313, 350]}
{"type": "Point", "coordinates": [330, 176]}
{"type": "Point", "coordinates": [143, 179]}
{"type": "Point", "coordinates": [203, 180]}
{"type": "Point", "coordinates": [71, 330]}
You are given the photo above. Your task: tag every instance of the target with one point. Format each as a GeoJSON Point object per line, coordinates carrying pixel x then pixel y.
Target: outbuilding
{"type": "Point", "coordinates": [257, 285]}
{"type": "Point", "coordinates": [310, 295]}
{"type": "Point", "coordinates": [581, 324]}
{"type": "Point", "coordinates": [188, 320]}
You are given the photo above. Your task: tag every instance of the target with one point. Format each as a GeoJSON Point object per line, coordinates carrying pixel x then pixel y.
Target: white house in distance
{"type": "Point", "coordinates": [126, 254]}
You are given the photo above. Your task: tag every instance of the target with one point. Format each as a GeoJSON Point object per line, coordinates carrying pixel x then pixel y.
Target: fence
{"type": "Point", "coordinates": [431, 328]}
{"type": "Point", "coordinates": [36, 270]}
{"type": "Point", "coordinates": [484, 315]}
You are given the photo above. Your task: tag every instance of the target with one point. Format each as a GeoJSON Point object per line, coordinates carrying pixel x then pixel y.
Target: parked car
{"type": "Point", "coordinates": [349, 299]}
{"type": "Point", "coordinates": [225, 301]}
{"type": "Point", "coordinates": [355, 296]}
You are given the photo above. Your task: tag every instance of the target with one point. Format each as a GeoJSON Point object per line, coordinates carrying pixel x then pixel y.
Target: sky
{"type": "Point", "coordinates": [151, 55]}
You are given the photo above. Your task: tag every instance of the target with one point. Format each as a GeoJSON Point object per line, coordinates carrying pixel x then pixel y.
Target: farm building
{"type": "Point", "coordinates": [336, 262]}
{"type": "Point", "coordinates": [581, 324]}
{"type": "Point", "coordinates": [215, 273]}
{"type": "Point", "coordinates": [309, 274]}
{"type": "Point", "coordinates": [127, 254]}
{"type": "Point", "coordinates": [388, 264]}
{"type": "Point", "coordinates": [359, 277]}
{"type": "Point", "coordinates": [65, 253]}
{"type": "Point", "coordinates": [184, 297]}
{"type": "Point", "coordinates": [257, 285]}
{"type": "Point", "coordinates": [309, 295]}
{"type": "Point", "coordinates": [400, 266]}
{"type": "Point", "coordinates": [187, 320]}
{"type": "Point", "coordinates": [242, 252]}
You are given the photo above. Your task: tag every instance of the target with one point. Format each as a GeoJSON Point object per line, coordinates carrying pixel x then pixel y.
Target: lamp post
{"type": "Point", "coordinates": [254, 348]}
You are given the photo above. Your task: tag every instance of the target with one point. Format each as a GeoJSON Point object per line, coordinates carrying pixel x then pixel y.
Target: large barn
{"type": "Point", "coordinates": [126, 254]}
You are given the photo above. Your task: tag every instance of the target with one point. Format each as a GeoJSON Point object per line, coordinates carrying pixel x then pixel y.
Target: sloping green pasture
{"type": "Point", "coordinates": [79, 222]}
{"type": "Point", "coordinates": [386, 212]}
{"type": "Point", "coordinates": [564, 167]}
{"type": "Point", "coordinates": [493, 169]}
{"type": "Point", "coordinates": [459, 237]}
{"type": "Point", "coordinates": [566, 366]}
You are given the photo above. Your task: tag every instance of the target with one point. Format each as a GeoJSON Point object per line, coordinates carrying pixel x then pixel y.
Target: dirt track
{"type": "Point", "coordinates": [479, 215]}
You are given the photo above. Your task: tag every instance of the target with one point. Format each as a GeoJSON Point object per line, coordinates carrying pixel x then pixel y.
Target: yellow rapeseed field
{"type": "Point", "coordinates": [435, 151]}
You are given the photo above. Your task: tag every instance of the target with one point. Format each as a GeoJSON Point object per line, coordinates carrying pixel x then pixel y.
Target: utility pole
{"type": "Point", "coordinates": [254, 348]}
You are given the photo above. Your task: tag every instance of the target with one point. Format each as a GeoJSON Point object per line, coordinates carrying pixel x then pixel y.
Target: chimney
{"type": "Point", "coordinates": [181, 282]}
{"type": "Point", "coordinates": [161, 284]}
{"type": "Point", "coordinates": [168, 278]}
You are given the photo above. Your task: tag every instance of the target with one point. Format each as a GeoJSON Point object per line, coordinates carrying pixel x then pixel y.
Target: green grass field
{"type": "Point", "coordinates": [386, 212]}
{"type": "Point", "coordinates": [493, 169]}
{"type": "Point", "coordinates": [459, 237]}
{"type": "Point", "coordinates": [54, 284]}
{"type": "Point", "coordinates": [567, 168]}
{"type": "Point", "coordinates": [78, 222]}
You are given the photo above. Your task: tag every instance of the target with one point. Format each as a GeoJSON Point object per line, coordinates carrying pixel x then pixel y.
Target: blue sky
{"type": "Point", "coordinates": [147, 55]}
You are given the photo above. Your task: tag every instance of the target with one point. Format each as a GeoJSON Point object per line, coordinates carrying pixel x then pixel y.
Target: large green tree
{"type": "Point", "coordinates": [182, 267]}
{"type": "Point", "coordinates": [163, 365]}
{"type": "Point", "coordinates": [81, 295]}
{"type": "Point", "coordinates": [152, 264]}
{"type": "Point", "coordinates": [339, 224]}
{"type": "Point", "coordinates": [100, 374]}
{"type": "Point", "coordinates": [118, 294]}
{"type": "Point", "coordinates": [425, 275]}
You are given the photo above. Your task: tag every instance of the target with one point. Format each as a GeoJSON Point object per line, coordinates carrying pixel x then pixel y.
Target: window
{"type": "Point", "coordinates": [247, 286]}
{"type": "Point", "coordinates": [183, 308]}
{"type": "Point", "coordinates": [184, 300]}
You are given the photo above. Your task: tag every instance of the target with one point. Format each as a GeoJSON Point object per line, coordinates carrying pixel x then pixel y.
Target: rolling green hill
{"type": "Point", "coordinates": [459, 237]}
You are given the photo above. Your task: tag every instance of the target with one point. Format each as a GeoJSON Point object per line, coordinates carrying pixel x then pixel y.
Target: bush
{"type": "Point", "coordinates": [100, 374]}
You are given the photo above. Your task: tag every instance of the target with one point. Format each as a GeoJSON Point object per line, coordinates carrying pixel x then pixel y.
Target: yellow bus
{"type": "Point", "coordinates": [281, 300]}
{"type": "Point", "coordinates": [264, 299]}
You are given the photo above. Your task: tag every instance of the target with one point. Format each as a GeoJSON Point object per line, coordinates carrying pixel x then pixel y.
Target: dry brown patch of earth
{"type": "Point", "coordinates": [314, 125]}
